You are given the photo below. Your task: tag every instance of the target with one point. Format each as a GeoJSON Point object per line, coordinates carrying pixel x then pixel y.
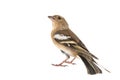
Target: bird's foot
{"type": "Point", "coordinates": [59, 65]}
{"type": "Point", "coordinates": [70, 62]}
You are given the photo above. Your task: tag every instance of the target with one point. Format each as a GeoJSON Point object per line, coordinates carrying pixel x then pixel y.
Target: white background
{"type": "Point", "coordinates": [26, 49]}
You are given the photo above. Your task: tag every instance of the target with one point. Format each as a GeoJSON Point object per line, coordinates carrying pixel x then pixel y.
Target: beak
{"type": "Point", "coordinates": [51, 17]}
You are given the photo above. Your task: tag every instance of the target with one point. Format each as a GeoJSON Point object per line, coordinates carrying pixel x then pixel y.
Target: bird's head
{"type": "Point", "coordinates": [58, 21]}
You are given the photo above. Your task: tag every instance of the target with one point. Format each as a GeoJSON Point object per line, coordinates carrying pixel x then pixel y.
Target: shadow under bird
{"type": "Point", "coordinates": [71, 45]}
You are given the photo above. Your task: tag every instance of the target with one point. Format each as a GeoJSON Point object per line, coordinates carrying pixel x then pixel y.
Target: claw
{"type": "Point", "coordinates": [59, 65]}
{"type": "Point", "coordinates": [69, 62]}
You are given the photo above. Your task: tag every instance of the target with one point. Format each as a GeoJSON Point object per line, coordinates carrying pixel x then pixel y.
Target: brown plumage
{"type": "Point", "coordinates": [71, 45]}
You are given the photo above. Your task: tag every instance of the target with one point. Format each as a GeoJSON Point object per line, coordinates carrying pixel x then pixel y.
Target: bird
{"type": "Point", "coordinates": [69, 44]}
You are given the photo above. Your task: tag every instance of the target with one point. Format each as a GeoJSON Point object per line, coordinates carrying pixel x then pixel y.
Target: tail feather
{"type": "Point", "coordinates": [91, 66]}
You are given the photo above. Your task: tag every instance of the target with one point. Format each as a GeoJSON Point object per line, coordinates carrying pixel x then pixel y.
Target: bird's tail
{"type": "Point", "coordinates": [91, 66]}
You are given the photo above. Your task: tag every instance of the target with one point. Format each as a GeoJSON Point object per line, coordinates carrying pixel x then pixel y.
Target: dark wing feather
{"type": "Point", "coordinates": [72, 41]}
{"type": "Point", "coordinates": [68, 32]}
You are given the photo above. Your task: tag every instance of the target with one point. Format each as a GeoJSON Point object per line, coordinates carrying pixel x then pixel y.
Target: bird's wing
{"type": "Point", "coordinates": [74, 38]}
{"type": "Point", "coordinates": [69, 39]}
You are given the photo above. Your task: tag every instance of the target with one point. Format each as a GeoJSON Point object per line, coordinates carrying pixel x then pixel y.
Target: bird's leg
{"type": "Point", "coordinates": [71, 62]}
{"type": "Point", "coordinates": [61, 64]}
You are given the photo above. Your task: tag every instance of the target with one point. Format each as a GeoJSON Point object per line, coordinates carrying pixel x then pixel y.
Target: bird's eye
{"type": "Point", "coordinates": [59, 17]}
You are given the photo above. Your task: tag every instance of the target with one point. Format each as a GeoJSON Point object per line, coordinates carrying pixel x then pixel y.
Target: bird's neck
{"type": "Point", "coordinates": [60, 26]}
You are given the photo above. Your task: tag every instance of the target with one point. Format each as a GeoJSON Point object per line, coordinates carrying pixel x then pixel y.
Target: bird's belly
{"type": "Point", "coordinates": [70, 52]}
{"type": "Point", "coordinates": [67, 50]}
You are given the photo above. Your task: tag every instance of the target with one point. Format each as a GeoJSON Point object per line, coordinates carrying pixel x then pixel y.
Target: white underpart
{"type": "Point", "coordinates": [61, 37]}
